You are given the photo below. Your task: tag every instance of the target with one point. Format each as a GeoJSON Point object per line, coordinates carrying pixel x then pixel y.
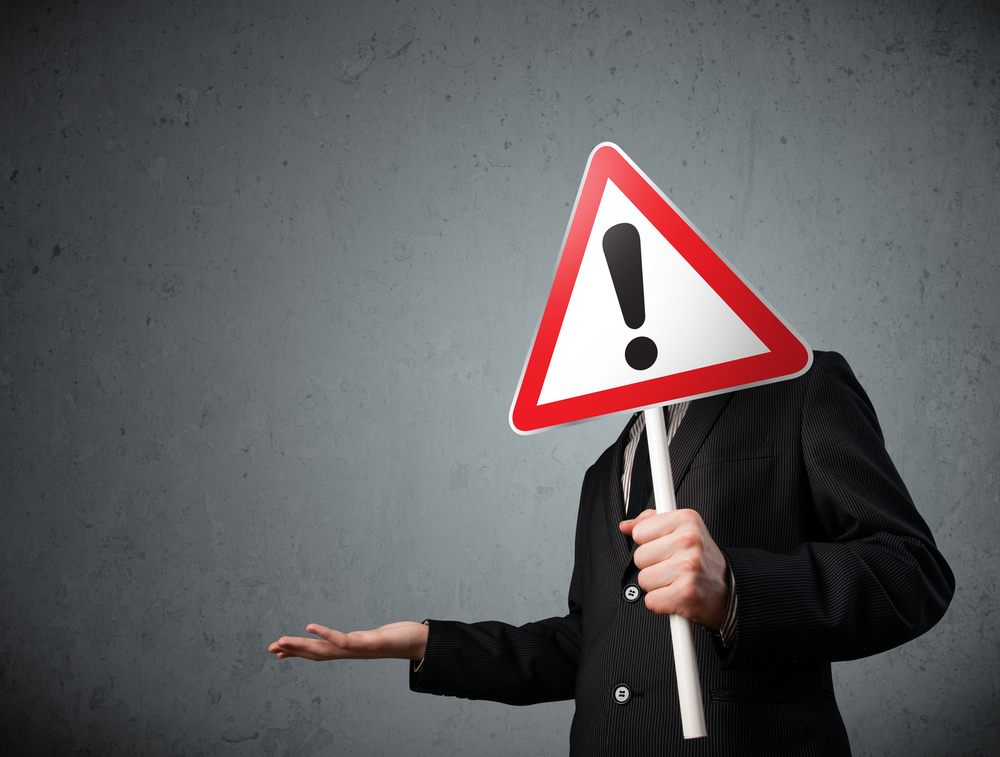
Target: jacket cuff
{"type": "Point", "coordinates": [430, 675]}
{"type": "Point", "coordinates": [724, 636]}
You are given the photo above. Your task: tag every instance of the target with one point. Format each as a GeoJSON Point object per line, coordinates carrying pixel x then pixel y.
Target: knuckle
{"type": "Point", "coordinates": [690, 539]}
{"type": "Point", "coordinates": [691, 563]}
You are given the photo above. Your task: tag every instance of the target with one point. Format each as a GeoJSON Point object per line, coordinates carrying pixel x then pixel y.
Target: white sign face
{"type": "Point", "coordinates": [691, 326]}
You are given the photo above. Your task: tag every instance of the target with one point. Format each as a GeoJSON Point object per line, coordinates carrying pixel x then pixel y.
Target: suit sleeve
{"type": "Point", "coordinates": [876, 581]}
{"type": "Point", "coordinates": [516, 665]}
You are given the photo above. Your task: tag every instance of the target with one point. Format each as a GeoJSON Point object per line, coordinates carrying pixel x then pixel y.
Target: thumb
{"type": "Point", "coordinates": [336, 638]}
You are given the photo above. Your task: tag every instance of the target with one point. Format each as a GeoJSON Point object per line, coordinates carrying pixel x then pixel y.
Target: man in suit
{"type": "Point", "coordinates": [795, 544]}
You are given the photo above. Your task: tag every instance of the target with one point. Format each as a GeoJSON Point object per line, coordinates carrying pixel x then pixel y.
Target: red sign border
{"type": "Point", "coordinates": [789, 354]}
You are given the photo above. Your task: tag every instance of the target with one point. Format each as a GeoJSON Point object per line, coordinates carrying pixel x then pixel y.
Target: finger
{"type": "Point", "coordinates": [337, 638]}
{"type": "Point", "coordinates": [653, 548]}
{"type": "Point", "coordinates": [659, 574]}
{"type": "Point", "coordinates": [283, 644]}
{"type": "Point", "coordinates": [686, 547]}
{"type": "Point", "coordinates": [662, 602]}
{"type": "Point", "coordinates": [653, 552]}
{"type": "Point", "coordinates": [300, 654]}
{"type": "Point", "coordinates": [654, 526]}
{"type": "Point", "coordinates": [662, 524]}
{"type": "Point", "coordinates": [310, 649]}
{"type": "Point", "coordinates": [289, 645]}
{"type": "Point", "coordinates": [681, 597]}
{"type": "Point", "coordinates": [626, 526]}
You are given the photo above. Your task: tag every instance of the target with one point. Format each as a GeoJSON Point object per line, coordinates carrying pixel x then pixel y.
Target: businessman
{"type": "Point", "coordinates": [795, 544]}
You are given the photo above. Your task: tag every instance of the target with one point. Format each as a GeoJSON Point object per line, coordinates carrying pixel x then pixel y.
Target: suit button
{"type": "Point", "coordinates": [631, 592]}
{"type": "Point", "coordinates": [622, 694]}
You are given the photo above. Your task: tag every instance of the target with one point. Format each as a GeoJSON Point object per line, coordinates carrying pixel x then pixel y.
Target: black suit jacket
{"type": "Point", "coordinates": [831, 561]}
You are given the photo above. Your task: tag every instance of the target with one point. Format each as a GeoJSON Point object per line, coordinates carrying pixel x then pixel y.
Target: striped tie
{"type": "Point", "coordinates": [641, 486]}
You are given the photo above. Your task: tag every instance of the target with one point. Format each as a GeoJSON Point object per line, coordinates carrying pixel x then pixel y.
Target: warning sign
{"type": "Point", "coordinates": [642, 312]}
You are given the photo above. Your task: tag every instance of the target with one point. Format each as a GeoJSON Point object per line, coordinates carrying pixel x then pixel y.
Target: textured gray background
{"type": "Point", "coordinates": [269, 274]}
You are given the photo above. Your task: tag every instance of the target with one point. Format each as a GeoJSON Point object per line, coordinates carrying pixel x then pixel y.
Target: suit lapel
{"type": "Point", "coordinates": [698, 422]}
{"type": "Point", "coordinates": [614, 500]}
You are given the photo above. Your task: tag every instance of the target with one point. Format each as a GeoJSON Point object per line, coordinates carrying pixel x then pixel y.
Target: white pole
{"type": "Point", "coordinates": [685, 662]}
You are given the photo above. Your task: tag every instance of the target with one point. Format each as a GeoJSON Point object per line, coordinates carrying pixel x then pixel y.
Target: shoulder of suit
{"type": "Point", "coordinates": [825, 362]}
{"type": "Point", "coordinates": [826, 367]}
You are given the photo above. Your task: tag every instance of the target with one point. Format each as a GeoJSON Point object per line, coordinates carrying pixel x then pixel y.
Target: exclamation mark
{"type": "Point", "coordinates": [624, 256]}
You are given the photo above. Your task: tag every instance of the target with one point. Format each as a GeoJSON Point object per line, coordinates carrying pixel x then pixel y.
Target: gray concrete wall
{"type": "Point", "coordinates": [269, 273]}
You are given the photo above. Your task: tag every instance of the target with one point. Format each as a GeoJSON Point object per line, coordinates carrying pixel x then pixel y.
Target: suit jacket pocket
{"type": "Point", "coordinates": [728, 453]}
{"type": "Point", "coordinates": [774, 696]}
{"type": "Point", "coordinates": [777, 722]}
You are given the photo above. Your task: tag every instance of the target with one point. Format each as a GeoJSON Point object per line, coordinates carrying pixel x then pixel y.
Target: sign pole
{"type": "Point", "coordinates": [685, 661]}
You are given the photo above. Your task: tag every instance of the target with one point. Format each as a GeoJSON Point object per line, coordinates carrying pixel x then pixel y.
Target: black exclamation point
{"type": "Point", "coordinates": [624, 256]}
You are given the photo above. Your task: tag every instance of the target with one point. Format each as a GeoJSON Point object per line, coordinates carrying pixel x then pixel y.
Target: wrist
{"type": "Point", "coordinates": [418, 647]}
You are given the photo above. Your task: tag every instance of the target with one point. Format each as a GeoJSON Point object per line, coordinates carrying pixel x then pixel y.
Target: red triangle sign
{"type": "Point", "coordinates": [642, 312]}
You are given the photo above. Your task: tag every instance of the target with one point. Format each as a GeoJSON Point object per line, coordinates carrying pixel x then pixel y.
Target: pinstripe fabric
{"type": "Point", "coordinates": [830, 556]}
